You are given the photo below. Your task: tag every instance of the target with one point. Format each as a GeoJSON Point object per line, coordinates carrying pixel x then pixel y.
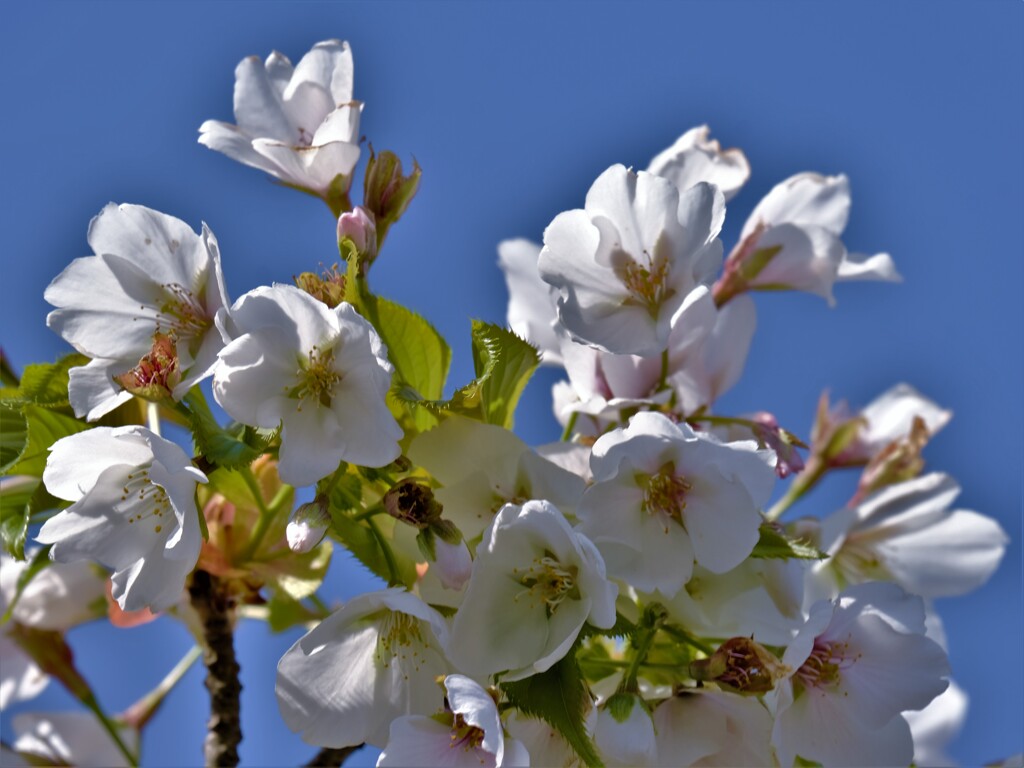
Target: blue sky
{"type": "Point", "coordinates": [512, 110]}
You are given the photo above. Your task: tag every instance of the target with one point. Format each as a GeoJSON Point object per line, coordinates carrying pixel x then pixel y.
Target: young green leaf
{"type": "Point", "coordinates": [774, 544]}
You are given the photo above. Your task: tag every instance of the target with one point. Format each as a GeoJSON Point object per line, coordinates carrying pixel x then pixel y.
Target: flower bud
{"type": "Point", "coordinates": [768, 432]}
{"type": "Point", "coordinates": [157, 374]}
{"type": "Point", "coordinates": [357, 236]}
{"type": "Point", "coordinates": [308, 525]}
{"type": "Point", "coordinates": [740, 665]}
{"type": "Point", "coordinates": [899, 461]}
{"type": "Point", "coordinates": [386, 191]}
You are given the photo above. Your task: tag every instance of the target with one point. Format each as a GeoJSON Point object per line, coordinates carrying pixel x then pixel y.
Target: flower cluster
{"type": "Point", "coordinates": [627, 596]}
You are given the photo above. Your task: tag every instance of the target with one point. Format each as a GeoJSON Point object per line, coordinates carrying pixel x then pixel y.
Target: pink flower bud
{"type": "Point", "coordinates": [357, 234]}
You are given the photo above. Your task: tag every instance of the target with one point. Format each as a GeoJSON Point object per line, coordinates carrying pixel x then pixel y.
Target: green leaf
{"type": "Point", "coordinates": [419, 353]}
{"type": "Point", "coordinates": [360, 539]}
{"type": "Point", "coordinates": [40, 562]}
{"type": "Point", "coordinates": [44, 427]}
{"type": "Point", "coordinates": [13, 436]}
{"type": "Point", "coordinates": [560, 698]}
{"type": "Point", "coordinates": [13, 529]}
{"type": "Point", "coordinates": [284, 612]}
{"type": "Point", "coordinates": [235, 445]}
{"type": "Point", "coordinates": [503, 364]}
{"type": "Point", "coordinates": [47, 384]}
{"type": "Point", "coordinates": [774, 544]}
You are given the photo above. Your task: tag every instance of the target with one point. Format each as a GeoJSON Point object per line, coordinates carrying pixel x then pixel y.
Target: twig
{"type": "Point", "coordinates": [224, 732]}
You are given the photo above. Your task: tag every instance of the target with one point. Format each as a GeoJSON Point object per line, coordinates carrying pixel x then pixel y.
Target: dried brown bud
{"type": "Point", "coordinates": [328, 286]}
{"type": "Point", "coordinates": [413, 502]}
{"type": "Point", "coordinates": [741, 665]}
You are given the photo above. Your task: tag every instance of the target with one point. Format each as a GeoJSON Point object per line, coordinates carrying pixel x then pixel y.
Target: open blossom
{"type": "Point", "coordinates": [322, 374]}
{"type": "Point", "coordinates": [535, 582]}
{"type": "Point", "coordinates": [151, 275]}
{"type": "Point", "coordinates": [532, 303]}
{"type": "Point", "coordinates": [624, 734]}
{"type": "Point", "coordinates": [134, 511]}
{"type": "Point", "coordinates": [858, 663]}
{"type": "Point", "coordinates": [792, 240]}
{"type": "Point", "coordinates": [373, 660]}
{"type": "Point", "coordinates": [908, 534]}
{"type": "Point", "coordinates": [468, 734]}
{"type": "Point", "coordinates": [298, 123]}
{"type": "Point", "coordinates": [695, 157]}
{"type": "Point", "coordinates": [666, 496]}
{"type": "Point", "coordinates": [625, 262]}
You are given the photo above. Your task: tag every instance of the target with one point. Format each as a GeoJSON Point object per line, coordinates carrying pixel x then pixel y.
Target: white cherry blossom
{"type": "Point", "coordinates": [627, 742]}
{"type": "Point", "coordinates": [468, 735]}
{"type": "Point", "coordinates": [322, 374]}
{"type": "Point", "coordinates": [373, 660]}
{"type": "Point", "coordinates": [298, 123]}
{"type": "Point", "coordinates": [535, 582]}
{"type": "Point", "coordinates": [908, 534]}
{"type": "Point", "coordinates": [858, 663]}
{"type": "Point", "coordinates": [666, 496]}
{"type": "Point", "coordinates": [803, 218]}
{"type": "Point", "coordinates": [695, 157]}
{"type": "Point", "coordinates": [890, 416]}
{"type": "Point", "coordinates": [151, 274]}
{"type": "Point", "coordinates": [625, 262]}
{"type": "Point", "coordinates": [134, 511]}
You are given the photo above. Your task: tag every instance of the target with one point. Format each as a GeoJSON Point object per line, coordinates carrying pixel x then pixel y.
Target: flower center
{"type": "Point", "coordinates": [548, 582]}
{"type": "Point", "coordinates": [465, 735]}
{"type": "Point", "coordinates": [142, 499]}
{"type": "Point", "coordinates": [825, 664]}
{"type": "Point", "coordinates": [181, 314]}
{"type": "Point", "coordinates": [665, 493]}
{"type": "Point", "coordinates": [317, 378]}
{"type": "Point", "coordinates": [646, 280]}
{"type": "Point", "coordinates": [401, 639]}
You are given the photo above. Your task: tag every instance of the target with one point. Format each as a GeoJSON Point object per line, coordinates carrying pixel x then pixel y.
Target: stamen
{"type": "Point", "coordinates": [665, 493]}
{"type": "Point", "coordinates": [317, 378]}
{"type": "Point", "coordinates": [142, 499]}
{"type": "Point", "coordinates": [827, 660]}
{"type": "Point", "coordinates": [464, 735]}
{"type": "Point", "coordinates": [547, 581]}
{"type": "Point", "coordinates": [401, 640]}
{"type": "Point", "coordinates": [646, 280]}
{"type": "Point", "coordinates": [182, 314]}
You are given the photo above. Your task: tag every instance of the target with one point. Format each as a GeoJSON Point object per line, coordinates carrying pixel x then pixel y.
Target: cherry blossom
{"type": "Point", "coordinates": [298, 123]}
{"type": "Point", "coordinates": [625, 262]}
{"type": "Point", "coordinates": [321, 374]}
{"type": "Point", "coordinates": [695, 157]}
{"type": "Point", "coordinates": [151, 275]}
{"type": "Point", "coordinates": [134, 511]}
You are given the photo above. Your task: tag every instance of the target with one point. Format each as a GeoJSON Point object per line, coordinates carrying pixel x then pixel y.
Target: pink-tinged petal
{"type": "Point", "coordinates": [861, 266]}
{"type": "Point", "coordinates": [259, 110]}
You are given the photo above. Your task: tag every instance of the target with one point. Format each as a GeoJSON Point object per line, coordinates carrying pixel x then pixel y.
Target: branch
{"type": "Point", "coordinates": [212, 602]}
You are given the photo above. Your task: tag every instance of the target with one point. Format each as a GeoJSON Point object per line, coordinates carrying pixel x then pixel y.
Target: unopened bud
{"type": "Point", "coordinates": [768, 432]}
{"type": "Point", "coordinates": [328, 286]}
{"type": "Point", "coordinates": [157, 374]}
{"type": "Point", "coordinates": [308, 525]}
{"type": "Point", "coordinates": [413, 502]}
{"type": "Point", "coordinates": [357, 236]}
{"type": "Point", "coordinates": [834, 436]}
{"type": "Point", "coordinates": [741, 665]}
{"type": "Point", "coordinates": [386, 191]}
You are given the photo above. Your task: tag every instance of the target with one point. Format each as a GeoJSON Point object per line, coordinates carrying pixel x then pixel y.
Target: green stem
{"type": "Point", "coordinates": [654, 619]}
{"type": "Point", "coordinates": [139, 713]}
{"type": "Point", "coordinates": [663, 378]}
{"type": "Point", "coordinates": [570, 426]}
{"type": "Point", "coordinates": [265, 518]}
{"type": "Point", "coordinates": [389, 556]}
{"type": "Point", "coordinates": [153, 417]}
{"type": "Point", "coordinates": [110, 727]}
{"type": "Point", "coordinates": [689, 639]}
{"type": "Point", "coordinates": [802, 483]}
{"type": "Point", "coordinates": [366, 514]}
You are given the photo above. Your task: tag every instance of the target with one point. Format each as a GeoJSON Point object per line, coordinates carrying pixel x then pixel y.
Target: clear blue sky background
{"type": "Point", "coordinates": [512, 110]}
